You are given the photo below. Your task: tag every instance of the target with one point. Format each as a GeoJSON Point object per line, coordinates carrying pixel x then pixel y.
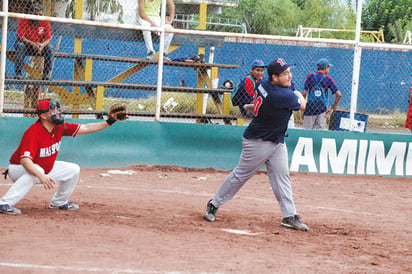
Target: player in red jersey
{"type": "Point", "coordinates": [34, 161]}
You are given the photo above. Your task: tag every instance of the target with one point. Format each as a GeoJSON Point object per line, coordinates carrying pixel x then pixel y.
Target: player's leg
{"type": "Point", "coordinates": [147, 36]}
{"type": "Point", "coordinates": [168, 39]}
{"type": "Point", "coordinates": [48, 58]}
{"type": "Point", "coordinates": [320, 123]}
{"type": "Point", "coordinates": [23, 182]}
{"type": "Point", "coordinates": [67, 175]}
{"type": "Point", "coordinates": [21, 52]}
{"type": "Point", "coordinates": [279, 179]}
{"type": "Point", "coordinates": [278, 173]}
{"type": "Point", "coordinates": [253, 156]}
{"type": "Point", "coordinates": [308, 121]}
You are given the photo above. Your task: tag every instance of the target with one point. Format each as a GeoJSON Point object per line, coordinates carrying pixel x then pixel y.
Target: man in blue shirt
{"type": "Point", "coordinates": [317, 98]}
{"type": "Point", "coordinates": [263, 143]}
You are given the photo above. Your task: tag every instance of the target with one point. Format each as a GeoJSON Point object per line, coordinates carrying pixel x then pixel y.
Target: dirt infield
{"type": "Point", "coordinates": [150, 221]}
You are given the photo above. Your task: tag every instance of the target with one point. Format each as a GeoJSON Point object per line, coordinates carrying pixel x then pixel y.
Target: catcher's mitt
{"type": "Point", "coordinates": [117, 112]}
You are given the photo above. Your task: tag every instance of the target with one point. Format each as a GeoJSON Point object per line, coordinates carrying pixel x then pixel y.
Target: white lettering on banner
{"type": "Point", "coordinates": [362, 151]}
{"type": "Point", "coordinates": [358, 157]}
{"type": "Point", "coordinates": [408, 165]}
{"type": "Point", "coordinates": [337, 161]}
{"type": "Point", "coordinates": [384, 164]}
{"type": "Point", "coordinates": [49, 151]}
{"type": "Point", "coordinates": [303, 155]}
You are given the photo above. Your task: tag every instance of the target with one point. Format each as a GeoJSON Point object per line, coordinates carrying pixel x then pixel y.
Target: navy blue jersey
{"type": "Point", "coordinates": [327, 83]}
{"type": "Point", "coordinates": [273, 107]}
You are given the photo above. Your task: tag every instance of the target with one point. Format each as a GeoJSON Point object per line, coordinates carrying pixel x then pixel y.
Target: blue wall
{"type": "Point", "coordinates": [385, 78]}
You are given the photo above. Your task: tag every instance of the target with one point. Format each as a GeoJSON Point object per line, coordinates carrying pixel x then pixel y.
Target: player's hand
{"type": "Point", "coordinates": [47, 181]}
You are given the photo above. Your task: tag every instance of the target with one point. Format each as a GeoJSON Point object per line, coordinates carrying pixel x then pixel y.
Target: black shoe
{"type": "Point", "coordinates": [66, 206]}
{"type": "Point", "coordinates": [8, 209]}
{"type": "Point", "coordinates": [210, 214]}
{"type": "Point", "coordinates": [295, 223]}
{"type": "Point", "coordinates": [165, 58]}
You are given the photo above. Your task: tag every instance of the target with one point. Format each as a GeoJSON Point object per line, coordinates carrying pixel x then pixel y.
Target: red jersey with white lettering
{"type": "Point", "coordinates": [36, 33]}
{"type": "Point", "coordinates": [41, 146]}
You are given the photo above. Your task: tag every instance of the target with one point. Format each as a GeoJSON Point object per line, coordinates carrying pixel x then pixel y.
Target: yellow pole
{"type": "Point", "coordinates": [77, 49]}
{"type": "Point", "coordinates": [201, 50]}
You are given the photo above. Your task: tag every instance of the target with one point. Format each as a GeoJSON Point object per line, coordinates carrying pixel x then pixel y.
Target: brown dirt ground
{"type": "Point", "coordinates": [151, 222]}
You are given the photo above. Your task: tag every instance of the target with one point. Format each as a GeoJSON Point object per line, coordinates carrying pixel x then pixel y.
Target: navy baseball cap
{"type": "Point", "coordinates": [323, 63]}
{"type": "Point", "coordinates": [278, 66]}
{"type": "Point", "coordinates": [258, 63]}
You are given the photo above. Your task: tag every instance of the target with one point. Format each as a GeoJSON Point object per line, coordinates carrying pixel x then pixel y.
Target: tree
{"type": "Point", "coordinates": [275, 17]}
{"type": "Point", "coordinates": [393, 16]}
{"type": "Point", "coordinates": [94, 8]}
{"type": "Point", "coordinates": [282, 17]}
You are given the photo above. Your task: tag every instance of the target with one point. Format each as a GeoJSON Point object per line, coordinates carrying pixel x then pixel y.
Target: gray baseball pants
{"type": "Point", "coordinates": [255, 153]}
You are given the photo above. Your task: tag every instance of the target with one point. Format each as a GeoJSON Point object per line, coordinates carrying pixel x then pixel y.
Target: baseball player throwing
{"type": "Point", "coordinates": [34, 161]}
{"type": "Point", "coordinates": [263, 143]}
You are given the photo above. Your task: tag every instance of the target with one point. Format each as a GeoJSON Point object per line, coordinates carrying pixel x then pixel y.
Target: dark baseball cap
{"type": "Point", "coordinates": [278, 66]}
{"type": "Point", "coordinates": [258, 63]}
{"type": "Point", "coordinates": [323, 63]}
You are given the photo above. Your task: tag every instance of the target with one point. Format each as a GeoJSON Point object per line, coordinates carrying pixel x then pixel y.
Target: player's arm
{"type": "Point", "coordinates": [46, 180]}
{"type": "Point", "coordinates": [301, 99]}
{"type": "Point", "coordinates": [117, 112]}
{"type": "Point", "coordinates": [22, 32]}
{"type": "Point", "coordinates": [304, 92]}
{"type": "Point", "coordinates": [171, 11]}
{"type": "Point", "coordinates": [92, 127]}
{"type": "Point", "coordinates": [338, 95]}
{"type": "Point", "coordinates": [143, 15]}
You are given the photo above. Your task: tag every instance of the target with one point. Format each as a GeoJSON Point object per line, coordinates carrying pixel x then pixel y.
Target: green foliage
{"type": "Point", "coordinates": [95, 8]}
{"type": "Point", "coordinates": [283, 17]}
{"type": "Point", "coordinates": [393, 16]}
{"type": "Point", "coordinates": [267, 16]}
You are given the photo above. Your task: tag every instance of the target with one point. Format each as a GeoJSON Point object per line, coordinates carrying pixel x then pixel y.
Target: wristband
{"type": "Point", "coordinates": [110, 121]}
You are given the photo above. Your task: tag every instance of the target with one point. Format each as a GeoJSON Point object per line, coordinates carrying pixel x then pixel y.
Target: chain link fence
{"type": "Point", "coordinates": [100, 58]}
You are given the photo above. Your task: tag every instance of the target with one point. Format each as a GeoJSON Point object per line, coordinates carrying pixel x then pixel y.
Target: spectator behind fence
{"type": "Point", "coordinates": [149, 16]}
{"type": "Point", "coordinates": [408, 123]}
{"type": "Point", "coordinates": [33, 39]}
{"type": "Point", "coordinates": [315, 91]}
{"type": "Point", "coordinates": [245, 90]}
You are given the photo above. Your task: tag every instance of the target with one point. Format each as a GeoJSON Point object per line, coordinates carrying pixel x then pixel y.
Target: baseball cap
{"type": "Point", "coordinates": [258, 63]}
{"type": "Point", "coordinates": [47, 104]}
{"type": "Point", "coordinates": [323, 63]}
{"type": "Point", "coordinates": [43, 106]}
{"type": "Point", "coordinates": [278, 66]}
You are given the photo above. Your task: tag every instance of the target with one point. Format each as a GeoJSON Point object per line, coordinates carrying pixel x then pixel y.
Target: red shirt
{"type": "Point", "coordinates": [36, 33]}
{"type": "Point", "coordinates": [41, 146]}
{"type": "Point", "coordinates": [250, 85]}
